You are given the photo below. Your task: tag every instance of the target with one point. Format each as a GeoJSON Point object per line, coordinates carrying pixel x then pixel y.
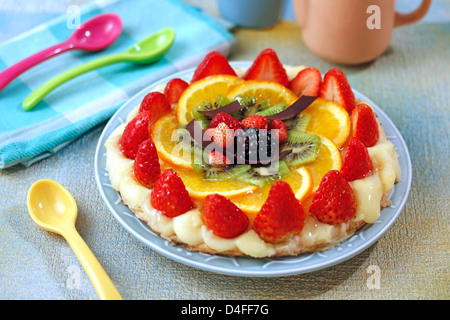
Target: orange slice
{"type": "Point", "coordinates": [199, 188]}
{"type": "Point", "coordinates": [299, 179]}
{"type": "Point", "coordinates": [328, 158]}
{"type": "Point", "coordinates": [261, 89]}
{"type": "Point", "coordinates": [165, 138]}
{"type": "Point", "coordinates": [329, 120]}
{"type": "Point", "coordinates": [205, 89]}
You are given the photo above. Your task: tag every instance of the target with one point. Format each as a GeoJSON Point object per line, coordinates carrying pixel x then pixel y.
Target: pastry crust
{"type": "Point", "coordinates": [315, 236]}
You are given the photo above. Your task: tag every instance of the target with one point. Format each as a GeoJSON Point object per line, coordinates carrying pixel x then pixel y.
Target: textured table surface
{"type": "Point", "coordinates": [410, 82]}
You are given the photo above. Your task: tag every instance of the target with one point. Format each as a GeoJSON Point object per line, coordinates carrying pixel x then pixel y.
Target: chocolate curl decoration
{"type": "Point", "coordinates": [298, 106]}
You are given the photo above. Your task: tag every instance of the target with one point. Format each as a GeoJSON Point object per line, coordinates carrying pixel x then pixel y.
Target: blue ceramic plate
{"type": "Point", "coordinates": [250, 267]}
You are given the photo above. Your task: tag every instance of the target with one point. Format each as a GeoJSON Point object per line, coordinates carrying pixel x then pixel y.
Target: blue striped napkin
{"type": "Point", "coordinates": [89, 100]}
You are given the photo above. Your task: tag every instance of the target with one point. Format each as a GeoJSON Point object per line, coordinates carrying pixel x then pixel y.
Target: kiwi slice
{"type": "Point", "coordinates": [201, 118]}
{"type": "Point", "coordinates": [225, 173]}
{"type": "Point", "coordinates": [262, 175]}
{"type": "Point", "coordinates": [304, 146]}
{"type": "Point", "coordinates": [299, 123]}
{"type": "Point", "coordinates": [221, 101]}
{"type": "Point", "coordinates": [249, 107]}
{"type": "Point", "coordinates": [273, 110]}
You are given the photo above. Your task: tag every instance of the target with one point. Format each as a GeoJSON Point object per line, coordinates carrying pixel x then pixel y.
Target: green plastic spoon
{"type": "Point", "coordinates": [148, 50]}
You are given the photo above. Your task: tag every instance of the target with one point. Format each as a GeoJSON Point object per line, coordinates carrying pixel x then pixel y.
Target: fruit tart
{"type": "Point", "coordinates": [269, 160]}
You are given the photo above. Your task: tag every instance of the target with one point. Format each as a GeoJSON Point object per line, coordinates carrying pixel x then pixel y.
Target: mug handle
{"type": "Point", "coordinates": [405, 18]}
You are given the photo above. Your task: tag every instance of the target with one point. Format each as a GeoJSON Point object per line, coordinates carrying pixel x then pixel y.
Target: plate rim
{"type": "Point", "coordinates": [243, 272]}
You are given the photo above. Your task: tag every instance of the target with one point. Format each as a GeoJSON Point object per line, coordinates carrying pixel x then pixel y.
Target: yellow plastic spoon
{"type": "Point", "coordinates": [54, 209]}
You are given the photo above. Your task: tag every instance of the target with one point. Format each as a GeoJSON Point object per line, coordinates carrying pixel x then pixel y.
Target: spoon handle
{"type": "Point", "coordinates": [37, 95]}
{"type": "Point", "coordinates": [12, 72]}
{"type": "Point", "coordinates": [98, 276]}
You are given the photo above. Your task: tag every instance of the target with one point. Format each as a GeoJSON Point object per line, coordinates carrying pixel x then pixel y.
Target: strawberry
{"type": "Point", "coordinates": [335, 87]}
{"type": "Point", "coordinates": [156, 104]}
{"type": "Point", "coordinates": [229, 120]}
{"type": "Point", "coordinates": [209, 134]}
{"type": "Point", "coordinates": [306, 83]}
{"type": "Point", "coordinates": [223, 217]}
{"type": "Point", "coordinates": [223, 135]}
{"type": "Point", "coordinates": [217, 159]}
{"type": "Point", "coordinates": [134, 134]}
{"type": "Point", "coordinates": [146, 164]}
{"type": "Point", "coordinates": [255, 121]}
{"type": "Point", "coordinates": [169, 195]}
{"type": "Point", "coordinates": [267, 66]}
{"type": "Point", "coordinates": [281, 215]}
{"type": "Point", "coordinates": [173, 90]}
{"type": "Point", "coordinates": [365, 125]}
{"type": "Point", "coordinates": [280, 130]}
{"type": "Point", "coordinates": [333, 202]}
{"type": "Point", "coordinates": [213, 63]}
{"type": "Point", "coordinates": [357, 163]}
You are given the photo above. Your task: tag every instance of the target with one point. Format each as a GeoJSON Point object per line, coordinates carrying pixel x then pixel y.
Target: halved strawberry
{"type": "Point", "coordinates": [306, 82]}
{"type": "Point", "coordinates": [156, 104]}
{"type": "Point", "coordinates": [223, 135]}
{"type": "Point", "coordinates": [335, 87]}
{"type": "Point", "coordinates": [146, 164]}
{"type": "Point", "coordinates": [365, 125]}
{"type": "Point", "coordinates": [333, 202]}
{"type": "Point", "coordinates": [134, 134]}
{"type": "Point", "coordinates": [357, 162]}
{"type": "Point", "coordinates": [213, 63]}
{"type": "Point", "coordinates": [217, 159]}
{"type": "Point", "coordinates": [281, 215]}
{"type": "Point", "coordinates": [223, 217]}
{"type": "Point", "coordinates": [255, 121]}
{"type": "Point", "coordinates": [229, 120]}
{"type": "Point", "coordinates": [267, 66]}
{"type": "Point", "coordinates": [169, 195]}
{"type": "Point", "coordinates": [174, 88]}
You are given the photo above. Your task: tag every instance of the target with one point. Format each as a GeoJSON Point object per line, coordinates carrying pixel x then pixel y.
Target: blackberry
{"type": "Point", "coordinates": [254, 145]}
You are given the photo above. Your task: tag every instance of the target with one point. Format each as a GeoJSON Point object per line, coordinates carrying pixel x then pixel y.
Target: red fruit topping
{"type": "Point", "coordinates": [209, 133]}
{"type": "Point", "coordinates": [267, 66]}
{"type": "Point", "coordinates": [255, 121]}
{"type": "Point", "coordinates": [134, 134]}
{"type": "Point", "coordinates": [307, 82]}
{"type": "Point", "coordinates": [229, 120]}
{"type": "Point", "coordinates": [333, 202]}
{"type": "Point", "coordinates": [281, 215]}
{"type": "Point", "coordinates": [174, 88]}
{"type": "Point", "coordinates": [169, 195]}
{"type": "Point", "coordinates": [280, 130]}
{"type": "Point", "coordinates": [156, 104]}
{"type": "Point", "coordinates": [365, 125]}
{"type": "Point", "coordinates": [217, 159]}
{"type": "Point", "coordinates": [213, 63]}
{"type": "Point", "coordinates": [146, 164]}
{"type": "Point", "coordinates": [223, 135]}
{"type": "Point", "coordinates": [223, 217]}
{"type": "Point", "coordinates": [335, 87]}
{"type": "Point", "coordinates": [357, 163]}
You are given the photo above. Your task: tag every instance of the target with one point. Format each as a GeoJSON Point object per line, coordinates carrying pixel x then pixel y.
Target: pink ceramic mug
{"type": "Point", "coordinates": [351, 31]}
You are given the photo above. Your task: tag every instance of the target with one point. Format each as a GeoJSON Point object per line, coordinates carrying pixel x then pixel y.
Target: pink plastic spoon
{"type": "Point", "coordinates": [93, 35]}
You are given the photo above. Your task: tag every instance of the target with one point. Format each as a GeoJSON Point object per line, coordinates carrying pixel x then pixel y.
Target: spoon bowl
{"type": "Point", "coordinates": [98, 33]}
{"type": "Point", "coordinates": [53, 208]}
{"type": "Point", "coordinates": [93, 35]}
{"type": "Point", "coordinates": [151, 48]}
